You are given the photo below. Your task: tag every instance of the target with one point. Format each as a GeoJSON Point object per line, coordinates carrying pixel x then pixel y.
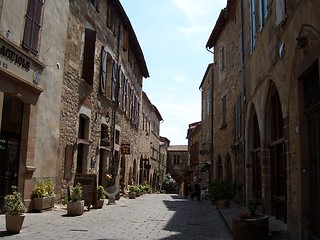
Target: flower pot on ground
{"type": "Point", "coordinates": [133, 192]}
{"type": "Point", "coordinates": [101, 195]}
{"type": "Point", "coordinates": [43, 195]}
{"type": "Point", "coordinates": [15, 210]}
{"type": "Point", "coordinates": [75, 206]}
{"type": "Point", "coordinates": [221, 192]}
{"type": "Point", "coordinates": [251, 226]}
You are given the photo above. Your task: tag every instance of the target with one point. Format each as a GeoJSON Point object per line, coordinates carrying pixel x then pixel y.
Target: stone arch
{"type": "Point", "coordinates": [254, 163]}
{"type": "Point", "coordinates": [275, 154]}
{"type": "Point", "coordinates": [301, 129]}
{"type": "Point", "coordinates": [228, 168]}
{"type": "Point", "coordinates": [219, 168]}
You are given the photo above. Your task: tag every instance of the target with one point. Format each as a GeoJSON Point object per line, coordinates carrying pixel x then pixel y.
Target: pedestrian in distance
{"type": "Point", "coordinates": [197, 190]}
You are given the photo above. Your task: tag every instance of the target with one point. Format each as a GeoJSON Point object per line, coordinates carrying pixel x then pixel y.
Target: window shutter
{"type": "Point", "coordinates": [280, 11]}
{"type": "Point", "coordinates": [103, 70]}
{"type": "Point", "coordinates": [88, 55]}
{"type": "Point", "coordinates": [32, 26]}
{"type": "Point", "coordinates": [125, 40]}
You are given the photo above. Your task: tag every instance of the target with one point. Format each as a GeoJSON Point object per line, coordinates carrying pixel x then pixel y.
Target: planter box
{"type": "Point", "coordinates": [40, 204]}
{"type": "Point", "coordinates": [250, 229]}
{"type": "Point", "coordinates": [14, 223]}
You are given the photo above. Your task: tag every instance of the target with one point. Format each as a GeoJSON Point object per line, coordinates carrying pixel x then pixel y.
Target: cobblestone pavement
{"type": "Point", "coordinates": [151, 216]}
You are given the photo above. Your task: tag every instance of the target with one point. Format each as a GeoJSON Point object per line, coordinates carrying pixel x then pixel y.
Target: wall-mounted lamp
{"type": "Point", "coordinates": [8, 33]}
{"type": "Point", "coordinates": [57, 65]}
{"type": "Point", "coordinates": [107, 117]}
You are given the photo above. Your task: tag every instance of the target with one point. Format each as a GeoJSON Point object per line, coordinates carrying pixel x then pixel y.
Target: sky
{"type": "Point", "coordinates": [172, 35]}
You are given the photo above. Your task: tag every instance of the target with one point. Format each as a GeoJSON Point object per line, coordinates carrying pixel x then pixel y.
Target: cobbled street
{"type": "Point", "coordinates": [151, 216]}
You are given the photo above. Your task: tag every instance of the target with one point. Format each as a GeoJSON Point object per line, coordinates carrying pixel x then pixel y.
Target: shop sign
{"type": "Point", "coordinates": [17, 62]}
{"type": "Point", "coordinates": [125, 148]}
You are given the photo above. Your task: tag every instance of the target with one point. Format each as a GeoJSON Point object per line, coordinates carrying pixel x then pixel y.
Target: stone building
{"type": "Point", "coordinates": [206, 130]}
{"type": "Point", "coordinates": [101, 95]}
{"type": "Point", "coordinates": [265, 106]}
{"type": "Point", "coordinates": [33, 37]}
{"type": "Point", "coordinates": [164, 144]}
{"type": "Point", "coordinates": [149, 162]}
{"type": "Point", "coordinates": [195, 165]}
{"type": "Point", "coordinates": [177, 162]}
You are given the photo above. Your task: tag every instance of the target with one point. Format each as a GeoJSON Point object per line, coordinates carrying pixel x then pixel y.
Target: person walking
{"type": "Point", "coordinates": [185, 187]}
{"type": "Point", "coordinates": [197, 190]}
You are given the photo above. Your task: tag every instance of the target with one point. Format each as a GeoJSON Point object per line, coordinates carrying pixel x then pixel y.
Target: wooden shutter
{"type": "Point", "coordinates": [32, 26]}
{"type": "Point", "coordinates": [103, 76]}
{"type": "Point", "coordinates": [88, 55]}
{"type": "Point", "coordinates": [280, 11]}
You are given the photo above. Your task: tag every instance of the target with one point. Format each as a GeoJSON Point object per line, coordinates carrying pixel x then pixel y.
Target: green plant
{"type": "Point", "coordinates": [13, 203]}
{"type": "Point", "coordinates": [133, 188]}
{"type": "Point", "coordinates": [253, 203]}
{"type": "Point", "coordinates": [101, 192]}
{"type": "Point", "coordinates": [221, 189]}
{"type": "Point", "coordinates": [76, 193]}
{"type": "Point", "coordinates": [43, 188]}
{"type": "Point", "coordinates": [169, 184]}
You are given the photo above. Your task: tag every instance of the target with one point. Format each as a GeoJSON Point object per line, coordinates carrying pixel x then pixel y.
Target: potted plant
{"type": "Point", "coordinates": [15, 210]}
{"type": "Point", "coordinates": [221, 192]}
{"type": "Point", "coordinates": [43, 195]}
{"type": "Point", "coordinates": [251, 225]}
{"type": "Point", "coordinates": [101, 195]}
{"type": "Point", "coordinates": [75, 205]}
{"type": "Point", "coordinates": [132, 192]}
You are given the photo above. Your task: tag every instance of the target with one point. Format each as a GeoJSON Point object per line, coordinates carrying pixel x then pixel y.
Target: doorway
{"type": "Point", "coordinates": [10, 135]}
{"type": "Point", "coordinates": [312, 106]}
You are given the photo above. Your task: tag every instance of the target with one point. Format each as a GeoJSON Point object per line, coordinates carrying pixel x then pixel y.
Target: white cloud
{"type": "Point", "coordinates": [180, 78]}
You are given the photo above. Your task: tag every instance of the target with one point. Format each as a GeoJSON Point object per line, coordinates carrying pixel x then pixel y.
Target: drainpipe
{"type": "Point", "coordinates": [243, 112]}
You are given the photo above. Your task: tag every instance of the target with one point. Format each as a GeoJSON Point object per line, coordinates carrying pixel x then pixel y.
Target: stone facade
{"type": "Point", "coordinates": [177, 162]}
{"type": "Point", "coordinates": [30, 91]}
{"type": "Point", "coordinates": [266, 62]}
{"type": "Point", "coordinates": [150, 165]}
{"type": "Point", "coordinates": [102, 91]}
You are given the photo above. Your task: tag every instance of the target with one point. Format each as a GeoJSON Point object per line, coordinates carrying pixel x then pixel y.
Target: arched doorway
{"type": "Point", "coordinates": [255, 156]}
{"type": "Point", "coordinates": [312, 110]}
{"type": "Point", "coordinates": [276, 142]}
{"type": "Point", "coordinates": [228, 168]}
{"type": "Point", "coordinates": [219, 168]}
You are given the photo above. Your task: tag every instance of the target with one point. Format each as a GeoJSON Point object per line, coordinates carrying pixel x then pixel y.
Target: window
{"type": "Point", "coordinates": [104, 137]}
{"type": "Point", "coordinates": [263, 12]}
{"type": "Point", "coordinates": [103, 74]}
{"type": "Point", "coordinates": [224, 111]}
{"type": "Point", "coordinates": [83, 132]}
{"type": "Point", "coordinates": [125, 95]}
{"type": "Point", "coordinates": [252, 26]}
{"type": "Point", "coordinates": [32, 26]}
{"type": "Point", "coordinates": [176, 159]}
{"type": "Point", "coordinates": [237, 118]}
{"type": "Point", "coordinates": [222, 58]}
{"type": "Point", "coordinates": [114, 80]}
{"type": "Point", "coordinates": [88, 55]}
{"type": "Point", "coordinates": [95, 3]}
{"type": "Point", "coordinates": [280, 12]}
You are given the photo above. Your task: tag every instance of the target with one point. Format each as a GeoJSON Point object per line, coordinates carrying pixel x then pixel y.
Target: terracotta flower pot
{"type": "Point", "coordinates": [14, 223]}
{"type": "Point", "coordinates": [250, 229]}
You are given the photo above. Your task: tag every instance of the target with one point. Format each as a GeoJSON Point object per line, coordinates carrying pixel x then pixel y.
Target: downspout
{"type": "Point", "coordinates": [243, 112]}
